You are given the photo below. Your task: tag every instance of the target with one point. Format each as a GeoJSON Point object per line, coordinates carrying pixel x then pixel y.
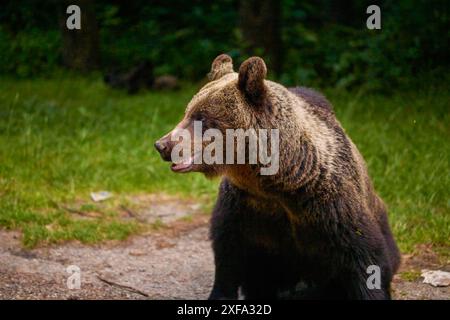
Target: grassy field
{"type": "Point", "coordinates": [61, 139]}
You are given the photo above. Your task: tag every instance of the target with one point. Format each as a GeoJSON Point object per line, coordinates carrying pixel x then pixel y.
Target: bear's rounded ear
{"type": "Point", "coordinates": [221, 66]}
{"type": "Point", "coordinates": [252, 73]}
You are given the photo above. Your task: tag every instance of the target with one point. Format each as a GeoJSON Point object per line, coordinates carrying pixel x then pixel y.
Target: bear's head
{"type": "Point", "coordinates": [229, 101]}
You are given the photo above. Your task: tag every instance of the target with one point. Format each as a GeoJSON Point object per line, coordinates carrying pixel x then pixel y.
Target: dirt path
{"type": "Point", "coordinates": [176, 263]}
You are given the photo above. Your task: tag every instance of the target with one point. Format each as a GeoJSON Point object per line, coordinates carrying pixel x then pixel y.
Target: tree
{"type": "Point", "coordinates": [80, 49]}
{"type": "Point", "coordinates": [260, 24]}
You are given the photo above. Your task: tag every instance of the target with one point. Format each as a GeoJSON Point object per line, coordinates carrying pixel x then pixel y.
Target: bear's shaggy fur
{"type": "Point", "coordinates": [309, 231]}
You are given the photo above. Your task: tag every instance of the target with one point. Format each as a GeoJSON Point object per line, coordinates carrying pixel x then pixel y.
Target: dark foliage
{"type": "Point", "coordinates": [322, 42]}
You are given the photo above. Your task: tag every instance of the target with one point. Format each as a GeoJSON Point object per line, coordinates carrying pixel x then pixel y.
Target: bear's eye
{"type": "Point", "coordinates": [199, 117]}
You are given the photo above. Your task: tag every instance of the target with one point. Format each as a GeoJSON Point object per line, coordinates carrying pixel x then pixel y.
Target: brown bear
{"type": "Point", "coordinates": [315, 229]}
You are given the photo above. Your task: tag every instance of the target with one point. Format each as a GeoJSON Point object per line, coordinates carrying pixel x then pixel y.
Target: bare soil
{"type": "Point", "coordinates": [173, 263]}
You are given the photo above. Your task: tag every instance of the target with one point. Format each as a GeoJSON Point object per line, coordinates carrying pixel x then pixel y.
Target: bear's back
{"type": "Point", "coordinates": [313, 98]}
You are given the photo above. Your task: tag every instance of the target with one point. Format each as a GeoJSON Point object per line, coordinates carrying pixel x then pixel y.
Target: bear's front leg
{"type": "Point", "coordinates": [227, 277]}
{"type": "Point", "coordinates": [228, 247]}
{"type": "Point", "coordinates": [228, 264]}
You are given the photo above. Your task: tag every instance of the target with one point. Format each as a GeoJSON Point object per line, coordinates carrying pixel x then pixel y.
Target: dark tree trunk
{"type": "Point", "coordinates": [260, 23]}
{"type": "Point", "coordinates": [342, 12]}
{"type": "Point", "coordinates": [80, 47]}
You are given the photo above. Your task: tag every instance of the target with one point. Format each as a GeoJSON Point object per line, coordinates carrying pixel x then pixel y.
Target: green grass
{"type": "Point", "coordinates": [61, 139]}
{"type": "Point", "coordinates": [405, 142]}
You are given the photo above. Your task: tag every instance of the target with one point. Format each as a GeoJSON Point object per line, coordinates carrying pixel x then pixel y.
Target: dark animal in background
{"type": "Point", "coordinates": [141, 77]}
{"type": "Point", "coordinates": [166, 82]}
{"type": "Point", "coordinates": [314, 229]}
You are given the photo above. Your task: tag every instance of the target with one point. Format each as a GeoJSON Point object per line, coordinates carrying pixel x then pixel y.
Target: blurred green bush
{"type": "Point", "coordinates": [29, 53]}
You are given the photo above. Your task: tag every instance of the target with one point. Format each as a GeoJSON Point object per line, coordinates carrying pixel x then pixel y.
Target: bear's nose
{"type": "Point", "coordinates": [160, 146]}
{"type": "Point", "coordinates": [164, 149]}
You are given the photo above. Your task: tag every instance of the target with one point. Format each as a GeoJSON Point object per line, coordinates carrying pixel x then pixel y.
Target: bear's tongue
{"type": "Point", "coordinates": [182, 167]}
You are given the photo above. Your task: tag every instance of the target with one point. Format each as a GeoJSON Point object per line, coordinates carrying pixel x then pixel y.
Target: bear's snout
{"type": "Point", "coordinates": [164, 149]}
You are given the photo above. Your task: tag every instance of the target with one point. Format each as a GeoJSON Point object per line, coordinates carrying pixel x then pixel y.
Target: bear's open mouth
{"type": "Point", "coordinates": [181, 167]}
{"type": "Point", "coordinates": [184, 166]}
